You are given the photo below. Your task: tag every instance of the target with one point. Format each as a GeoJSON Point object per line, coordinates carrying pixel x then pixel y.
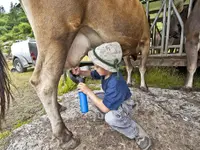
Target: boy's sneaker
{"type": "Point", "coordinates": [142, 139]}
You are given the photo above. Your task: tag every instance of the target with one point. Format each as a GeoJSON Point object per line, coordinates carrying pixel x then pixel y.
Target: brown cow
{"type": "Point", "coordinates": [65, 30]}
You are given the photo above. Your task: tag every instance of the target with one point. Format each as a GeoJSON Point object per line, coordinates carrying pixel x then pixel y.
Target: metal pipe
{"type": "Point", "coordinates": [164, 25]}
{"type": "Point", "coordinates": [182, 28]}
{"type": "Point", "coordinates": [147, 8]}
{"type": "Point", "coordinates": [174, 46]}
{"type": "Point", "coordinates": [153, 38]}
{"type": "Point", "coordinates": [168, 25]}
{"type": "Point", "coordinates": [169, 46]}
{"type": "Point", "coordinates": [190, 8]}
{"type": "Point", "coordinates": [154, 22]}
{"type": "Point", "coordinates": [167, 55]}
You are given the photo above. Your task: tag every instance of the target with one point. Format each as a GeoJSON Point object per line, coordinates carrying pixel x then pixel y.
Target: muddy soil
{"type": "Point", "coordinates": [171, 118]}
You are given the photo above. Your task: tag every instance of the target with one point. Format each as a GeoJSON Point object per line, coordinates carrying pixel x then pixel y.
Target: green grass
{"type": "Point", "coordinates": [93, 87]}
{"type": "Point", "coordinates": [161, 77]}
{"type": "Point", "coordinates": [68, 85]}
{"type": "Point", "coordinates": [4, 134]}
{"type": "Point", "coordinates": [21, 123]}
{"type": "Point", "coordinates": [165, 77]}
{"type": "Point", "coordinates": [65, 85]}
{"type": "Point", "coordinates": [91, 81]}
{"type": "Point", "coordinates": [197, 79]}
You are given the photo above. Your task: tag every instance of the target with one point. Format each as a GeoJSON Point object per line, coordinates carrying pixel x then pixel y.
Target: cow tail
{"type": "Point", "coordinates": [5, 90]}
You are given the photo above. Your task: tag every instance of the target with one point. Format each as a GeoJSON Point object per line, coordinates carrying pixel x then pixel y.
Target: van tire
{"type": "Point", "coordinates": [18, 65]}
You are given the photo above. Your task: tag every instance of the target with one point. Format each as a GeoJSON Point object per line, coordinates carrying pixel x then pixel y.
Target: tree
{"type": "Point", "coordinates": [2, 10]}
{"type": "Point", "coordinates": [3, 30]}
{"type": "Point", "coordinates": [11, 6]}
{"type": "Point", "coordinates": [13, 25]}
{"type": "Point", "coordinates": [24, 28]}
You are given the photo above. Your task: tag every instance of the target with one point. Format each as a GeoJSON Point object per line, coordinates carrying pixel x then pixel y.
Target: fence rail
{"type": "Point", "coordinates": [162, 53]}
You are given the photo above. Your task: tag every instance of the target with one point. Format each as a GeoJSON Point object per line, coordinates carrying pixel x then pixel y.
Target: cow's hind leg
{"type": "Point", "coordinates": [191, 48]}
{"type": "Point", "coordinates": [129, 69]}
{"type": "Point", "coordinates": [144, 48]}
{"type": "Point", "coordinates": [45, 78]}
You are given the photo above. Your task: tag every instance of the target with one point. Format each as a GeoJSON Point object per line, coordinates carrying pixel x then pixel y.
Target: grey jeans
{"type": "Point", "coordinates": [120, 119]}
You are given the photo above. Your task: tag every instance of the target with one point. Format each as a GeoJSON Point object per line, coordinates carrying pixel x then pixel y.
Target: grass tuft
{"type": "Point", "coordinates": [4, 134]}
{"type": "Point", "coordinates": [21, 123]}
{"type": "Point", "coordinates": [65, 85]}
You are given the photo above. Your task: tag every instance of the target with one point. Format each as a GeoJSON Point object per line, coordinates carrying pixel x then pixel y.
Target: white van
{"type": "Point", "coordinates": [24, 54]}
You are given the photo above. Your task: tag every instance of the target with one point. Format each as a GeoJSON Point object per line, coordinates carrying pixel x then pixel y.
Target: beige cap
{"type": "Point", "coordinates": [106, 56]}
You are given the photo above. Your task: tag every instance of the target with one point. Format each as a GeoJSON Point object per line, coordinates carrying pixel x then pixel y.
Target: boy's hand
{"type": "Point", "coordinates": [76, 71]}
{"type": "Point", "coordinates": [84, 88]}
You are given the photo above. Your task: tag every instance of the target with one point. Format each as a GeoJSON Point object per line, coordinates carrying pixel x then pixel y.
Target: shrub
{"type": "Point", "coordinates": [24, 28]}
{"type": "Point", "coordinates": [15, 29]}
{"type": "Point", "coordinates": [6, 37]}
{"type": "Point", "coordinates": [2, 22]}
{"type": "Point", "coordinates": [3, 30]}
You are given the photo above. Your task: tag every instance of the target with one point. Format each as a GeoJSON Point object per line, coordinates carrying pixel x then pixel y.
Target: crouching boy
{"type": "Point", "coordinates": [116, 102]}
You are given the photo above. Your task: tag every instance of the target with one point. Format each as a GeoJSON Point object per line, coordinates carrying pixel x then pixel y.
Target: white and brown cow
{"type": "Point", "coordinates": [192, 45]}
{"type": "Point", "coordinates": [192, 35]}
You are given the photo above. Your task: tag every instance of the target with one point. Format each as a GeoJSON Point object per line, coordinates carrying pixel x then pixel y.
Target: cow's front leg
{"type": "Point", "coordinates": [129, 69]}
{"type": "Point", "coordinates": [192, 57]}
{"type": "Point", "coordinates": [45, 80]}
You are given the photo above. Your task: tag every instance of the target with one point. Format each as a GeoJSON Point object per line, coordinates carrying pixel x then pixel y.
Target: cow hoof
{"type": "Point", "coordinates": [145, 89]}
{"type": "Point", "coordinates": [71, 144]}
{"type": "Point", "coordinates": [61, 107]}
{"type": "Point", "coordinates": [186, 89]}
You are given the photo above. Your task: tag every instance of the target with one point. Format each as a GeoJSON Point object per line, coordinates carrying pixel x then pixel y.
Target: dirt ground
{"type": "Point", "coordinates": [171, 117]}
{"type": "Point", "coordinates": [25, 107]}
{"type": "Point", "coordinates": [26, 104]}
